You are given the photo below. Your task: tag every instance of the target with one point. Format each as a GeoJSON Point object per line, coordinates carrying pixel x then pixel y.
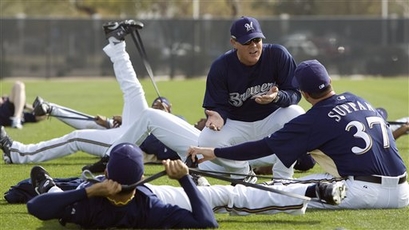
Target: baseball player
{"type": "Point", "coordinates": [125, 167]}
{"type": "Point", "coordinates": [346, 136]}
{"type": "Point", "coordinates": [249, 94]}
{"type": "Point", "coordinates": [14, 111]}
{"type": "Point", "coordinates": [109, 205]}
{"type": "Point", "coordinates": [138, 120]}
{"type": "Point", "coordinates": [153, 149]}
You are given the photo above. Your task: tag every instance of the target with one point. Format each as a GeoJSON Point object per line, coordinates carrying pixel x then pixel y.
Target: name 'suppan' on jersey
{"type": "Point", "coordinates": [346, 136]}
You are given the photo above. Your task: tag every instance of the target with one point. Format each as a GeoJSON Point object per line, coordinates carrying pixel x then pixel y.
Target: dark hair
{"type": "Point", "coordinates": [324, 91]}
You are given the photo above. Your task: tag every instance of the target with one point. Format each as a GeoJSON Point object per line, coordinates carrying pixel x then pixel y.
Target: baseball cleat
{"type": "Point", "coordinates": [199, 180]}
{"type": "Point", "coordinates": [41, 107]}
{"type": "Point", "coordinates": [120, 29]}
{"type": "Point", "coordinates": [41, 180]}
{"type": "Point", "coordinates": [97, 167]}
{"type": "Point", "coordinates": [251, 178]}
{"type": "Point", "coordinates": [331, 193]}
{"type": "Point", "coordinates": [5, 145]}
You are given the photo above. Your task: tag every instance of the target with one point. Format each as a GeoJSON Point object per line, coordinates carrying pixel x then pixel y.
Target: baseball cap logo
{"type": "Point", "coordinates": [249, 26]}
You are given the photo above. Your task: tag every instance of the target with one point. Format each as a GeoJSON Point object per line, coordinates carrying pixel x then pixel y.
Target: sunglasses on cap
{"type": "Point", "coordinates": [255, 40]}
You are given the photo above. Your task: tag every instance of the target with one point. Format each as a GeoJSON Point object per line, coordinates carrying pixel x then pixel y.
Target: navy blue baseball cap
{"type": "Point", "coordinates": [245, 29]}
{"type": "Point", "coordinates": [163, 100]}
{"type": "Point", "coordinates": [125, 164]}
{"type": "Point", "coordinates": [311, 76]}
{"type": "Point", "coordinates": [382, 112]}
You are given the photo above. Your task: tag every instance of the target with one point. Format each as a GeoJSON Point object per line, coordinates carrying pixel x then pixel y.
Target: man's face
{"type": "Point", "coordinates": [248, 53]}
{"type": "Point", "coordinates": [161, 106]}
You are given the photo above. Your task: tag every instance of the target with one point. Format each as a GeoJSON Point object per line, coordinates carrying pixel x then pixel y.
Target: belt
{"type": "Point", "coordinates": [376, 179]}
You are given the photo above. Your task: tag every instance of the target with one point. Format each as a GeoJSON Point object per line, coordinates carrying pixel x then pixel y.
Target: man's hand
{"type": "Point", "coordinates": [103, 121]}
{"type": "Point", "coordinates": [175, 169]}
{"type": "Point", "coordinates": [117, 121]}
{"type": "Point", "coordinates": [268, 97]}
{"type": "Point", "coordinates": [207, 153]}
{"type": "Point", "coordinates": [214, 120]}
{"type": "Point", "coordinates": [105, 188]}
{"type": "Point", "coordinates": [200, 124]}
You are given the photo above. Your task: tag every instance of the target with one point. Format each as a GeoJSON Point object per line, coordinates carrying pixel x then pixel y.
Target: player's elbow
{"type": "Point", "coordinates": [36, 210]}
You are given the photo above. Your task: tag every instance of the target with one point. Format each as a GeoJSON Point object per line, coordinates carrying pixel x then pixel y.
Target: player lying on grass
{"type": "Point", "coordinates": [14, 111]}
{"type": "Point", "coordinates": [138, 120]}
{"type": "Point", "coordinates": [105, 205]}
{"type": "Point", "coordinates": [345, 135]}
{"type": "Point", "coordinates": [153, 149]}
{"type": "Point", "coordinates": [109, 205]}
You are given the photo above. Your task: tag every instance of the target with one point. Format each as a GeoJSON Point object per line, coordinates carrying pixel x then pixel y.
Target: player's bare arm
{"type": "Point", "coordinates": [269, 97]}
{"type": "Point", "coordinates": [207, 153]}
{"type": "Point", "coordinates": [214, 120]}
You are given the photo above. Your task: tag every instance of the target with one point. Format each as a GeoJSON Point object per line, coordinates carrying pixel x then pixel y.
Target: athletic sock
{"type": "Point", "coordinates": [310, 192]}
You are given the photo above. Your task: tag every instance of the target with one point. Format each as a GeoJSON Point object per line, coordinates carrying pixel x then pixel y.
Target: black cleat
{"type": "Point", "coordinates": [198, 179]}
{"type": "Point", "coordinates": [120, 29]}
{"type": "Point", "coordinates": [41, 107]}
{"type": "Point", "coordinates": [97, 167]}
{"type": "Point", "coordinates": [331, 193]}
{"type": "Point", "coordinates": [41, 180]}
{"type": "Point", "coordinates": [5, 145]}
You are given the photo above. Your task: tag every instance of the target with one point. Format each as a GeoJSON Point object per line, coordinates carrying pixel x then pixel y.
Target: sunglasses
{"type": "Point", "coordinates": [255, 40]}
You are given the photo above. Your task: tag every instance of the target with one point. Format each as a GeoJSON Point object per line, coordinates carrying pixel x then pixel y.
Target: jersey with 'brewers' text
{"type": "Point", "coordinates": [231, 85]}
{"type": "Point", "coordinates": [344, 134]}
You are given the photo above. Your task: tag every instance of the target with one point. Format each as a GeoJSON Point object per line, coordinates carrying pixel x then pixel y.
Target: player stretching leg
{"type": "Point", "coordinates": [168, 128]}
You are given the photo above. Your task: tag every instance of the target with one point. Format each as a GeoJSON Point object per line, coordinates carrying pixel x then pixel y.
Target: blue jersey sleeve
{"type": "Point", "coordinates": [163, 215]}
{"type": "Point", "coordinates": [49, 206]}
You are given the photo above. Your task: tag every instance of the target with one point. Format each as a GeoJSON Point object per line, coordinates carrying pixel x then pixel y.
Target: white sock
{"type": "Point", "coordinates": [114, 41]}
{"type": "Point", "coordinates": [55, 189]}
{"type": "Point", "coordinates": [16, 122]}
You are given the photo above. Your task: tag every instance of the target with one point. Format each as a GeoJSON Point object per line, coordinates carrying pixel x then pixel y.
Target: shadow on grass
{"type": "Point", "coordinates": [265, 221]}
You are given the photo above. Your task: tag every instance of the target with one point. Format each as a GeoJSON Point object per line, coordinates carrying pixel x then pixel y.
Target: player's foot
{"type": "Point", "coordinates": [198, 179]}
{"type": "Point", "coordinates": [5, 145]}
{"type": "Point", "coordinates": [251, 178]}
{"type": "Point", "coordinates": [16, 123]}
{"type": "Point", "coordinates": [119, 30]}
{"type": "Point", "coordinates": [41, 180]}
{"type": "Point", "coordinates": [331, 192]}
{"type": "Point", "coordinates": [41, 107]}
{"type": "Point", "coordinates": [97, 167]}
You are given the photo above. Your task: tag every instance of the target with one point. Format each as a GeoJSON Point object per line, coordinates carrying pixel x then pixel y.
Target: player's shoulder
{"type": "Point", "coordinates": [274, 47]}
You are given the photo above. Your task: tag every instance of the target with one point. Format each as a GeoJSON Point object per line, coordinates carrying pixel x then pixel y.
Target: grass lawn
{"type": "Point", "coordinates": [102, 96]}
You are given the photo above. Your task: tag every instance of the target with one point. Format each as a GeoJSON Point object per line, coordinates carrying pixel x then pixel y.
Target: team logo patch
{"type": "Point", "coordinates": [249, 26]}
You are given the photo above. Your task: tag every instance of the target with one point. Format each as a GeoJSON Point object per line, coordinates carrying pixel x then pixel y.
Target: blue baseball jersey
{"type": "Point", "coordinates": [151, 145]}
{"type": "Point", "coordinates": [231, 85]}
{"type": "Point", "coordinates": [344, 134]}
{"type": "Point", "coordinates": [144, 211]}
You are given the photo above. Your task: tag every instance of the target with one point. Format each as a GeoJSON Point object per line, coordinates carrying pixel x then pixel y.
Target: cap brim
{"type": "Point", "coordinates": [248, 37]}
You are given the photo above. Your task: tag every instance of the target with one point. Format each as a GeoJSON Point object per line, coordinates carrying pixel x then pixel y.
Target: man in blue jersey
{"type": "Point", "coordinates": [109, 205]}
{"type": "Point", "coordinates": [249, 95]}
{"type": "Point", "coordinates": [345, 135]}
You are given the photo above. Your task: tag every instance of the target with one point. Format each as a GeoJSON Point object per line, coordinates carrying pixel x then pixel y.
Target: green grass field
{"type": "Point", "coordinates": [102, 96]}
